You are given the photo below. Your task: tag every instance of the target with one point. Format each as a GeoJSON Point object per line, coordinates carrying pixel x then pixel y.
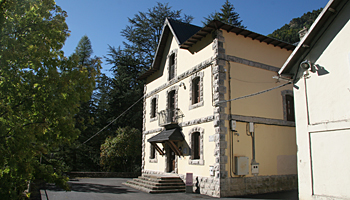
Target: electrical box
{"type": "Point", "coordinates": [242, 165]}
{"type": "Point", "coordinates": [251, 127]}
{"type": "Point", "coordinates": [255, 168]}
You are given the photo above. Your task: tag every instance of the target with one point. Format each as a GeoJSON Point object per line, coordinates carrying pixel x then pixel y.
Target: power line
{"type": "Point", "coordinates": [254, 94]}
{"type": "Point", "coordinates": [113, 121]}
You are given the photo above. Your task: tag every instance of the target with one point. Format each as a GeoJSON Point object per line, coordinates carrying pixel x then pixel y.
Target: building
{"type": "Point", "coordinates": [319, 68]}
{"type": "Point", "coordinates": [246, 146]}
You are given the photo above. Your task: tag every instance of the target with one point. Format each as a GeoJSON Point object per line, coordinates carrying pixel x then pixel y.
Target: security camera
{"type": "Point", "coordinates": [305, 65]}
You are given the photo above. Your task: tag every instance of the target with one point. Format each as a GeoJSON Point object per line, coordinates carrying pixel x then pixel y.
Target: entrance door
{"type": "Point", "coordinates": [170, 160]}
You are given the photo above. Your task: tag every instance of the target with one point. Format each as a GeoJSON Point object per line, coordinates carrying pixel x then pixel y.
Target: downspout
{"type": "Point", "coordinates": [229, 118]}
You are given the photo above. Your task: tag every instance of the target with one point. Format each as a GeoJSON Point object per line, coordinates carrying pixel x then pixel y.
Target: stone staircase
{"type": "Point", "coordinates": [157, 183]}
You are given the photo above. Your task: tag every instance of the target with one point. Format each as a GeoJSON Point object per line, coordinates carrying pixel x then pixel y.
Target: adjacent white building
{"type": "Point", "coordinates": [320, 70]}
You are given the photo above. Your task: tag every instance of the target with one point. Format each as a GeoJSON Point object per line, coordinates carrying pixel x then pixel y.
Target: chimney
{"type": "Point", "coordinates": [302, 32]}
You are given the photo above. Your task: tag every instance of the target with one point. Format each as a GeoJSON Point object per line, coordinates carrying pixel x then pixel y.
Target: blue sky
{"type": "Point", "coordinates": [103, 20]}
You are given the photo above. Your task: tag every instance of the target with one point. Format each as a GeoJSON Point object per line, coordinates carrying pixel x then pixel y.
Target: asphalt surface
{"type": "Point", "coordinates": [112, 188]}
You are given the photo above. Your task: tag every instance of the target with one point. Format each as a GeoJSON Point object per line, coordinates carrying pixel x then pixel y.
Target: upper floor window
{"type": "Point", "coordinates": [288, 105]}
{"type": "Point", "coordinates": [290, 108]}
{"type": "Point", "coordinates": [172, 66]}
{"type": "Point", "coordinates": [196, 90]}
{"type": "Point", "coordinates": [154, 108]}
{"type": "Point", "coordinates": [172, 57]}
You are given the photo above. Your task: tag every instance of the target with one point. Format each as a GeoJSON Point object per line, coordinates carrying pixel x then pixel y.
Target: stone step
{"type": "Point", "coordinates": [159, 187]}
{"type": "Point", "coordinates": [155, 183]}
{"type": "Point", "coordinates": [157, 180]}
{"type": "Point", "coordinates": [161, 183]}
{"type": "Point", "coordinates": [152, 191]}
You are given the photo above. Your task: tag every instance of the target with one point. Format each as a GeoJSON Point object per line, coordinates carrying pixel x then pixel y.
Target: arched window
{"type": "Point", "coordinates": [154, 108]}
{"type": "Point", "coordinates": [196, 144]}
{"type": "Point", "coordinates": [172, 66]}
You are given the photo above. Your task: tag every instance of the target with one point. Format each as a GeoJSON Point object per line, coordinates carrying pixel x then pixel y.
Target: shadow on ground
{"type": "Point", "coordinates": [291, 195]}
{"type": "Point", "coordinates": [92, 187]}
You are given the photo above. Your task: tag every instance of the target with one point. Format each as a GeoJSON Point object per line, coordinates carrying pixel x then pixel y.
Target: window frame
{"type": "Point", "coordinates": [284, 94]}
{"type": "Point", "coordinates": [194, 104]}
{"type": "Point", "coordinates": [172, 64]}
{"type": "Point", "coordinates": [200, 160]}
{"type": "Point", "coordinates": [154, 109]}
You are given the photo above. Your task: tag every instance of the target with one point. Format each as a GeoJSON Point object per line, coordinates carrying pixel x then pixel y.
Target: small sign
{"type": "Point", "coordinates": [189, 179]}
{"type": "Point", "coordinates": [211, 138]}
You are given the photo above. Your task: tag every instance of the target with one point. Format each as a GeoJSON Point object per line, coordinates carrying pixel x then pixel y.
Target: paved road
{"type": "Point", "coordinates": [112, 188]}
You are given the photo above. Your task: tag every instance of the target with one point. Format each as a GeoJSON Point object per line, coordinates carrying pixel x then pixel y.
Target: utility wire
{"type": "Point", "coordinates": [254, 94]}
{"type": "Point", "coordinates": [113, 120]}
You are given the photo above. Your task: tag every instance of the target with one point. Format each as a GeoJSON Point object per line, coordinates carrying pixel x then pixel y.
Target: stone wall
{"type": "Point", "coordinates": [257, 185]}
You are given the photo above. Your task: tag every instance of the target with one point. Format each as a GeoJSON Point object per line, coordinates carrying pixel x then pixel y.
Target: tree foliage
{"type": "Point", "coordinates": [289, 32]}
{"type": "Point", "coordinates": [122, 152]}
{"type": "Point", "coordinates": [40, 93]}
{"type": "Point", "coordinates": [227, 15]}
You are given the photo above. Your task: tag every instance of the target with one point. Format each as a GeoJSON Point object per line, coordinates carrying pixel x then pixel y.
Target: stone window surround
{"type": "Point", "coordinates": [201, 137]}
{"type": "Point", "coordinates": [172, 52]}
{"type": "Point", "coordinates": [156, 109]}
{"type": "Point", "coordinates": [199, 74]}
{"type": "Point", "coordinates": [284, 93]}
{"type": "Point", "coordinates": [155, 159]}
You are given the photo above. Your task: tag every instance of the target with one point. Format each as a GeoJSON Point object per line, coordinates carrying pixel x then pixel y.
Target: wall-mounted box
{"type": "Point", "coordinates": [242, 165]}
{"type": "Point", "coordinates": [255, 168]}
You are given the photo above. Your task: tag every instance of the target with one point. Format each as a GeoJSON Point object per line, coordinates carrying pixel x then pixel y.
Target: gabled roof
{"type": "Point", "coordinates": [316, 30]}
{"type": "Point", "coordinates": [187, 35]}
{"type": "Point", "coordinates": [181, 31]}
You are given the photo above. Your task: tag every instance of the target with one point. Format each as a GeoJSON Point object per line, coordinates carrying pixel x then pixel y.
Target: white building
{"type": "Point", "coordinates": [320, 70]}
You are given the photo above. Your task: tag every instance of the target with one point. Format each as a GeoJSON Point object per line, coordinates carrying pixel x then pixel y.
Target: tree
{"type": "Point", "coordinates": [227, 15]}
{"type": "Point", "coordinates": [144, 30]}
{"type": "Point", "coordinates": [142, 36]}
{"type": "Point", "coordinates": [122, 152]}
{"type": "Point", "coordinates": [40, 93]}
{"type": "Point", "coordinates": [289, 32]}
{"type": "Point", "coordinates": [79, 156]}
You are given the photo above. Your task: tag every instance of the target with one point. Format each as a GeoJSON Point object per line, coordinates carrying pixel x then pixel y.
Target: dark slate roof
{"type": "Point", "coordinates": [172, 134]}
{"type": "Point", "coordinates": [182, 31]}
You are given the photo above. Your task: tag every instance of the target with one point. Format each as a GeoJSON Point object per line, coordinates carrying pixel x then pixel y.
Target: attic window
{"type": "Point", "coordinates": [172, 66]}
{"type": "Point", "coordinates": [172, 62]}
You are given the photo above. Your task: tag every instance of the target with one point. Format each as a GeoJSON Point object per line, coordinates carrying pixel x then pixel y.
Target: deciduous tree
{"type": "Point", "coordinates": [40, 93]}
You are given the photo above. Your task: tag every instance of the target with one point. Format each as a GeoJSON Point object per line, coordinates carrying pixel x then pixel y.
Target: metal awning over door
{"type": "Point", "coordinates": [169, 137]}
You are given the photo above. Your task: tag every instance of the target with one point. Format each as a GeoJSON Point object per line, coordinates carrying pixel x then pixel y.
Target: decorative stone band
{"type": "Point", "coordinates": [262, 120]}
{"type": "Point", "coordinates": [182, 76]}
{"type": "Point", "coordinates": [251, 63]}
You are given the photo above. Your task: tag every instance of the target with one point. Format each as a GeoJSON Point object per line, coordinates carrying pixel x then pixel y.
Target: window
{"type": "Point", "coordinates": [172, 57]}
{"type": "Point", "coordinates": [195, 145]}
{"type": "Point", "coordinates": [172, 66]}
{"type": "Point", "coordinates": [290, 108]}
{"type": "Point", "coordinates": [153, 108]}
{"type": "Point", "coordinates": [153, 152]}
{"type": "Point", "coordinates": [288, 105]}
{"type": "Point", "coordinates": [171, 106]}
{"type": "Point", "coordinates": [196, 90]}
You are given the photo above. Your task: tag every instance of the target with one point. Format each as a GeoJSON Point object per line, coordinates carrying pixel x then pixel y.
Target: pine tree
{"type": "Point", "coordinates": [227, 15]}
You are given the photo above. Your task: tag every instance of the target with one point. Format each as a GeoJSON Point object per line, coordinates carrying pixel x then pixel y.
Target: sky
{"type": "Point", "coordinates": [103, 20]}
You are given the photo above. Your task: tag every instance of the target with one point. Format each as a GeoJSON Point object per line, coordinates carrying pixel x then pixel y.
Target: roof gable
{"type": "Point", "coordinates": [181, 31]}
